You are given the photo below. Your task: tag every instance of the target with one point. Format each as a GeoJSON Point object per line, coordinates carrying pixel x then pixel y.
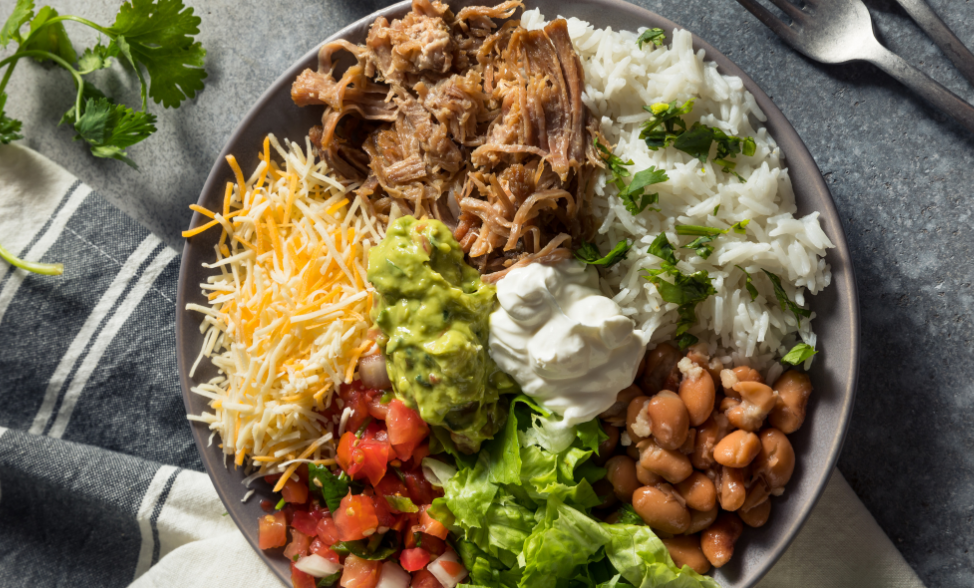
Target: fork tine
{"type": "Point", "coordinates": [769, 19]}
{"type": "Point", "coordinates": [796, 14]}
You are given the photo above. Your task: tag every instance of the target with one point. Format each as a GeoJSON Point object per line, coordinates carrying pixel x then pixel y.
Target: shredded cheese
{"type": "Point", "coordinates": [288, 315]}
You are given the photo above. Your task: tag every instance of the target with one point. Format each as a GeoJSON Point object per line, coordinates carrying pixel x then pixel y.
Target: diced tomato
{"type": "Point", "coordinates": [300, 579]}
{"type": "Point", "coordinates": [367, 457]}
{"type": "Point", "coordinates": [377, 410]}
{"type": "Point", "coordinates": [391, 485]}
{"type": "Point", "coordinates": [422, 451]}
{"type": "Point", "coordinates": [454, 568]}
{"type": "Point", "coordinates": [318, 547]}
{"type": "Point", "coordinates": [414, 559]}
{"type": "Point", "coordinates": [433, 544]}
{"type": "Point", "coordinates": [432, 526]}
{"type": "Point", "coordinates": [424, 579]}
{"type": "Point", "coordinates": [420, 490]}
{"type": "Point", "coordinates": [356, 518]}
{"type": "Point", "coordinates": [357, 398]}
{"type": "Point", "coordinates": [266, 505]}
{"type": "Point", "coordinates": [360, 573]}
{"type": "Point", "coordinates": [383, 511]}
{"type": "Point", "coordinates": [327, 531]}
{"type": "Point", "coordinates": [304, 522]}
{"type": "Point", "coordinates": [272, 531]}
{"type": "Point", "coordinates": [406, 429]}
{"type": "Point", "coordinates": [298, 545]}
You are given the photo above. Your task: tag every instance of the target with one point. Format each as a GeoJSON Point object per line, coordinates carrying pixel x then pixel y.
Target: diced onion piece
{"type": "Point", "coordinates": [393, 576]}
{"type": "Point", "coordinates": [372, 370]}
{"type": "Point", "coordinates": [317, 566]}
{"type": "Point", "coordinates": [448, 569]}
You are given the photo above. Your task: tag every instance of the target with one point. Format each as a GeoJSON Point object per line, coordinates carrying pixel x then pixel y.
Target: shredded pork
{"type": "Point", "coordinates": [476, 122]}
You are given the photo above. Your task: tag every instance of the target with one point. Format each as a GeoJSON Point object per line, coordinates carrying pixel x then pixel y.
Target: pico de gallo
{"type": "Point", "coordinates": [364, 523]}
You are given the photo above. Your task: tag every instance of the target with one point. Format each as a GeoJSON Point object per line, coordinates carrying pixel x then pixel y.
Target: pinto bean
{"type": "Point", "coordinates": [717, 541]}
{"type": "Point", "coordinates": [737, 449]}
{"type": "Point", "coordinates": [793, 390]}
{"type": "Point", "coordinates": [660, 363]}
{"type": "Point", "coordinates": [646, 477]}
{"type": "Point", "coordinates": [775, 462]}
{"type": "Point", "coordinates": [620, 471]}
{"type": "Point", "coordinates": [638, 425]}
{"type": "Point", "coordinates": [661, 509]}
{"type": "Point", "coordinates": [757, 400]}
{"type": "Point", "coordinates": [673, 466]}
{"type": "Point", "coordinates": [732, 491]}
{"type": "Point", "coordinates": [697, 391]}
{"type": "Point", "coordinates": [698, 491]}
{"type": "Point", "coordinates": [701, 519]}
{"type": "Point", "coordinates": [668, 419]}
{"type": "Point", "coordinates": [616, 414]}
{"type": "Point", "coordinates": [685, 551]}
{"type": "Point", "coordinates": [757, 516]}
{"type": "Point", "coordinates": [708, 435]}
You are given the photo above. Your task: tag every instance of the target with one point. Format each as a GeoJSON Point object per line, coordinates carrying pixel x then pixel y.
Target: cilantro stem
{"type": "Point", "coordinates": [56, 59]}
{"type": "Point", "coordinates": [47, 269]}
{"type": "Point", "coordinates": [65, 17]}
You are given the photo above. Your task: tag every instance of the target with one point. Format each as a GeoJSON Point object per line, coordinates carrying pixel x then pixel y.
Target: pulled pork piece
{"type": "Point", "coordinates": [473, 121]}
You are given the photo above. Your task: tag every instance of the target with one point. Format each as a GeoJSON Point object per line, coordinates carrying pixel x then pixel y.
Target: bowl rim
{"type": "Point", "coordinates": [799, 160]}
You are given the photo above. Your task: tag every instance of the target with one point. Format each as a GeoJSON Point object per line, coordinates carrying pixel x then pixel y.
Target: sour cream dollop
{"type": "Point", "coordinates": [566, 344]}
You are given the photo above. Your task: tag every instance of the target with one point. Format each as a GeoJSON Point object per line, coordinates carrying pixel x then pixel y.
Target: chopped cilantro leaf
{"type": "Point", "coordinates": [739, 227]}
{"type": "Point", "coordinates": [632, 195]}
{"type": "Point", "coordinates": [701, 245]}
{"type": "Point", "coordinates": [685, 340]}
{"type": "Point", "coordinates": [591, 255]}
{"type": "Point", "coordinates": [615, 163]}
{"type": "Point", "coordinates": [748, 284]}
{"type": "Point", "coordinates": [799, 354]}
{"type": "Point", "coordinates": [332, 488]}
{"type": "Point", "coordinates": [716, 209]}
{"type": "Point", "coordinates": [785, 302]}
{"type": "Point", "coordinates": [698, 230]}
{"type": "Point", "coordinates": [329, 581]}
{"type": "Point", "coordinates": [280, 504]}
{"type": "Point", "coordinates": [666, 124]}
{"type": "Point", "coordinates": [653, 36]}
{"type": "Point", "coordinates": [696, 142]}
{"type": "Point", "coordinates": [662, 249]}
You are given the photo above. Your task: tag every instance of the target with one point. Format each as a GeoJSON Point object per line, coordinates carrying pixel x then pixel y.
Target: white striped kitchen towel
{"type": "Point", "coordinates": [100, 483]}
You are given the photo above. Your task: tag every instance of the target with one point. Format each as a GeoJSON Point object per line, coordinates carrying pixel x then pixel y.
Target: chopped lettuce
{"type": "Point", "coordinates": [520, 512]}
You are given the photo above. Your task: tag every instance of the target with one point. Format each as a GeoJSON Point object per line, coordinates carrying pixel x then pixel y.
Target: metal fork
{"type": "Point", "coordinates": [836, 31]}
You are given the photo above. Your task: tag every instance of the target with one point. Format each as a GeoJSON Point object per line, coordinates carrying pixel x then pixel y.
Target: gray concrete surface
{"type": "Point", "coordinates": [901, 175]}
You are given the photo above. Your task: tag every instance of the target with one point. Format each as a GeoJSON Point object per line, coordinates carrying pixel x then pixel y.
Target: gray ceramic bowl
{"type": "Point", "coordinates": [817, 444]}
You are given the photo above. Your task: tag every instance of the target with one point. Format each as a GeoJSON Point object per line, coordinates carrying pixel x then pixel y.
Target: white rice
{"type": "Point", "coordinates": [620, 78]}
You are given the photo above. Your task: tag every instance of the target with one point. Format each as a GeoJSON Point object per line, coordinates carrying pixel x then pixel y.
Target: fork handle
{"type": "Point", "coordinates": [948, 42]}
{"type": "Point", "coordinates": [935, 94]}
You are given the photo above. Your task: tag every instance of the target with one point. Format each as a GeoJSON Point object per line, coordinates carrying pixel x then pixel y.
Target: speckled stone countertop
{"type": "Point", "coordinates": [901, 174]}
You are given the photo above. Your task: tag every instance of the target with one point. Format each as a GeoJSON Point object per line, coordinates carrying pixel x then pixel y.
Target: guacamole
{"type": "Point", "coordinates": [433, 311]}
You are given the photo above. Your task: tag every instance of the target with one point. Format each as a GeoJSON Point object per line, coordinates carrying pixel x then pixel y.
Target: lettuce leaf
{"type": "Point", "coordinates": [641, 558]}
{"type": "Point", "coordinates": [520, 512]}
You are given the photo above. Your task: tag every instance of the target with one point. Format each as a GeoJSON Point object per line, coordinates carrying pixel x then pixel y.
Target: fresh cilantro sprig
{"type": "Point", "coordinates": [705, 235]}
{"type": "Point", "coordinates": [154, 38]}
{"type": "Point", "coordinates": [748, 283]}
{"type": "Point", "coordinates": [633, 194]}
{"type": "Point", "coordinates": [668, 128]}
{"type": "Point", "coordinates": [590, 254]}
{"type": "Point", "coordinates": [800, 353]}
{"type": "Point", "coordinates": [653, 36]}
{"type": "Point", "coordinates": [686, 290]}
